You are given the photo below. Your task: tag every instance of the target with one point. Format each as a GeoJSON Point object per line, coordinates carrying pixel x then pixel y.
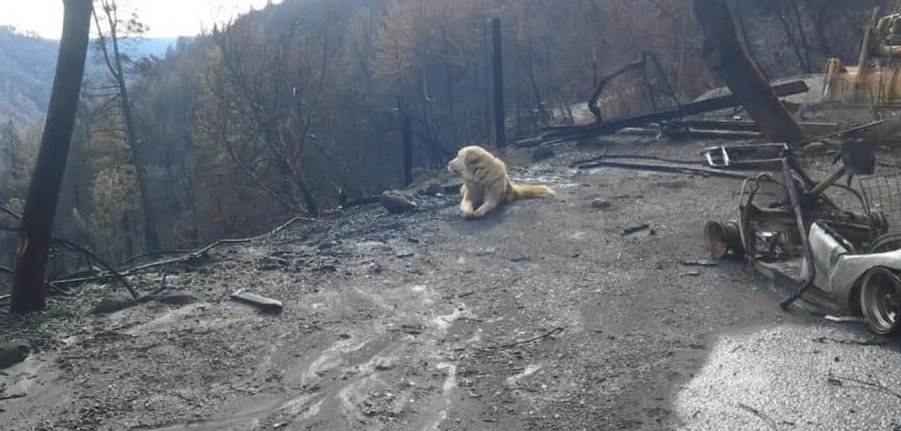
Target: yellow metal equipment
{"type": "Point", "coordinates": [876, 80]}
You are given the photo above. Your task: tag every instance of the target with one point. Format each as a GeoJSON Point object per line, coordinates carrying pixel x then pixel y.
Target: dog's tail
{"type": "Point", "coordinates": [531, 191]}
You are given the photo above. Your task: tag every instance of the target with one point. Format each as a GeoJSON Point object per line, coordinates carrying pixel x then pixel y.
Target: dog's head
{"type": "Point", "coordinates": [467, 156]}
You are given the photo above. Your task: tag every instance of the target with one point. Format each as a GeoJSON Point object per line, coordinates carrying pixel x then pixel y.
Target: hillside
{"type": "Point", "coordinates": [26, 73]}
{"type": "Point", "coordinates": [27, 65]}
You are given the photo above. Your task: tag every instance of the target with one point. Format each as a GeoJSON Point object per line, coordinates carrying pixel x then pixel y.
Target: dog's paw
{"type": "Point", "coordinates": [478, 214]}
{"type": "Point", "coordinates": [467, 213]}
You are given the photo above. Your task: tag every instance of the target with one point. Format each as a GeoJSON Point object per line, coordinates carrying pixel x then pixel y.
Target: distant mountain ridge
{"type": "Point", "coordinates": [27, 65]}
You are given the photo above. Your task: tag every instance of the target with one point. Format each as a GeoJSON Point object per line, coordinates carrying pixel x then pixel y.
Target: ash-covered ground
{"type": "Point", "coordinates": [544, 316]}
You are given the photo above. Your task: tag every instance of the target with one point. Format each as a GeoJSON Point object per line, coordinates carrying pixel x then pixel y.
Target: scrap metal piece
{"type": "Point", "coordinates": [839, 271]}
{"type": "Point", "coordinates": [723, 238]}
{"type": "Point", "coordinates": [795, 199]}
{"type": "Point", "coordinates": [266, 305]}
{"type": "Point", "coordinates": [858, 157]}
{"type": "Point", "coordinates": [661, 167]}
{"type": "Point", "coordinates": [742, 156]}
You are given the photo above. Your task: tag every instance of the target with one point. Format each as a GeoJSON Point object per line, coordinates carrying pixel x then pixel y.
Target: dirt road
{"type": "Point", "coordinates": [542, 317]}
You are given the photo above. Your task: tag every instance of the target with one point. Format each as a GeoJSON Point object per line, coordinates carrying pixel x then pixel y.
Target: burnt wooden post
{"type": "Point", "coordinates": [500, 135]}
{"type": "Point", "coordinates": [407, 131]}
{"type": "Point", "coordinates": [725, 55]}
{"type": "Point", "coordinates": [35, 229]}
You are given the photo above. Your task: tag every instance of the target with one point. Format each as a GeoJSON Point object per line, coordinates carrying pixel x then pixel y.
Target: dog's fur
{"type": "Point", "coordinates": [486, 184]}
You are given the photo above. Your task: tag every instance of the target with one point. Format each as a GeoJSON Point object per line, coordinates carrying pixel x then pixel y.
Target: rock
{"type": "Point", "coordinates": [374, 268]}
{"type": "Point", "coordinates": [540, 154]}
{"type": "Point", "coordinates": [113, 303]}
{"type": "Point", "coordinates": [325, 268]}
{"type": "Point", "coordinates": [412, 328]}
{"type": "Point", "coordinates": [270, 263]}
{"type": "Point", "coordinates": [326, 245]}
{"type": "Point", "coordinates": [601, 204]}
{"type": "Point", "coordinates": [13, 352]}
{"type": "Point", "coordinates": [635, 229]}
{"type": "Point", "coordinates": [397, 202]}
{"type": "Point", "coordinates": [433, 189]}
{"type": "Point", "coordinates": [384, 364]}
{"type": "Point", "coordinates": [177, 298]}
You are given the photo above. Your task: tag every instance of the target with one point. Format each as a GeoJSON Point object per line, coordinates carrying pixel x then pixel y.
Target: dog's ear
{"type": "Point", "coordinates": [470, 157]}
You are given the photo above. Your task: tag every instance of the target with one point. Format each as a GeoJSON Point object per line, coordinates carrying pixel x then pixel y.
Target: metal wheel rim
{"type": "Point", "coordinates": [879, 300]}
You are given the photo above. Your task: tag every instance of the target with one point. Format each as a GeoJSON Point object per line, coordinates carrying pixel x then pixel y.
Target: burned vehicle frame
{"type": "Point", "coordinates": [845, 261]}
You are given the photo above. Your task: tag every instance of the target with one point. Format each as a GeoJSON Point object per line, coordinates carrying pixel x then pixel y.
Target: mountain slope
{"type": "Point", "coordinates": [26, 73]}
{"type": "Point", "coordinates": [27, 65]}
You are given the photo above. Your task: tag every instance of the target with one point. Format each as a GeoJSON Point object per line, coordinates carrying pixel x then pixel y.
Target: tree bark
{"type": "Point", "coordinates": [500, 116]}
{"type": "Point", "coordinates": [407, 132]}
{"type": "Point", "coordinates": [29, 293]}
{"type": "Point", "coordinates": [725, 55]}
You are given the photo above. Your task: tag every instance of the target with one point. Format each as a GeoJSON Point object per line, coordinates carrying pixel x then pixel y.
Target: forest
{"type": "Point", "coordinates": [495, 215]}
{"type": "Point", "coordinates": [297, 108]}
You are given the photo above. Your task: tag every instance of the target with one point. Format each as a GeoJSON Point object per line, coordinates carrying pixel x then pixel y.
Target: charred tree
{"type": "Point", "coordinates": [500, 131]}
{"type": "Point", "coordinates": [36, 227]}
{"type": "Point", "coordinates": [725, 55]}
{"type": "Point", "coordinates": [407, 131]}
{"type": "Point", "coordinates": [113, 57]}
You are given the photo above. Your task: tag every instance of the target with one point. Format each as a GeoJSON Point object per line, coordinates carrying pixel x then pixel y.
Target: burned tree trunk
{"type": "Point", "coordinates": [117, 71]}
{"type": "Point", "coordinates": [500, 116]}
{"type": "Point", "coordinates": [725, 55]}
{"type": "Point", "coordinates": [407, 132]}
{"type": "Point", "coordinates": [43, 193]}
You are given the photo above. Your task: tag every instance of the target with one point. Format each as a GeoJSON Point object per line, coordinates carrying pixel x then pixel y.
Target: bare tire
{"type": "Point", "coordinates": [880, 292]}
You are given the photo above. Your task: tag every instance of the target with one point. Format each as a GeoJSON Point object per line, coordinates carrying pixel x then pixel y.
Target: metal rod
{"type": "Point", "coordinates": [828, 182]}
{"type": "Point", "coordinates": [792, 189]}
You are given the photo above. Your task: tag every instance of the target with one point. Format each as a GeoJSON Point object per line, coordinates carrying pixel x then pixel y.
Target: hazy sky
{"type": "Point", "coordinates": [166, 18]}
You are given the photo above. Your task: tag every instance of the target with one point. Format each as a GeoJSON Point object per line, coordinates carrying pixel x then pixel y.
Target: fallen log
{"type": "Point", "coordinates": [567, 133]}
{"type": "Point", "coordinates": [657, 167]}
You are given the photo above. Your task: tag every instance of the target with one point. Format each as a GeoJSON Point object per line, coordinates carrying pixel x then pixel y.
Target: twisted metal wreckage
{"type": "Point", "coordinates": [840, 244]}
{"type": "Point", "coordinates": [842, 241]}
{"type": "Point", "coordinates": [851, 259]}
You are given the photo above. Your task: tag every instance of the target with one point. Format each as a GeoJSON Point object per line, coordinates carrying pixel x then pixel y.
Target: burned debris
{"type": "Point", "coordinates": [839, 253]}
{"type": "Point", "coordinates": [559, 134]}
{"type": "Point", "coordinates": [627, 301]}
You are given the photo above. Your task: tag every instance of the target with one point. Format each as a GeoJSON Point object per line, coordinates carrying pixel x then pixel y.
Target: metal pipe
{"type": "Point", "coordinates": [791, 187]}
{"type": "Point", "coordinates": [828, 182]}
{"type": "Point", "coordinates": [865, 49]}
